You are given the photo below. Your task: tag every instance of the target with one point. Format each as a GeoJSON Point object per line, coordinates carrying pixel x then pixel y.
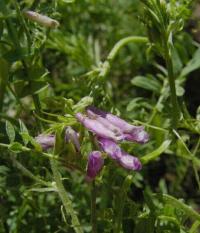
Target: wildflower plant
{"type": "Point", "coordinates": [96, 133]}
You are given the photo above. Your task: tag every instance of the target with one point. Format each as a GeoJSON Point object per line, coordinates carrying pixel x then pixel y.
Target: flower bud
{"type": "Point", "coordinates": [95, 164]}
{"type": "Point", "coordinates": [72, 136]}
{"type": "Point", "coordinates": [45, 141]}
{"type": "Point", "coordinates": [43, 20]}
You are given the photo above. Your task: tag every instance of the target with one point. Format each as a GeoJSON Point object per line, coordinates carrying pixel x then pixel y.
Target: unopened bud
{"type": "Point", "coordinates": [43, 20]}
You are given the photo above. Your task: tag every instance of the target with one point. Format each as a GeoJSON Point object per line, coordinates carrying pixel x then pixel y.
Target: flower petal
{"type": "Point", "coordinates": [116, 130]}
{"type": "Point", "coordinates": [72, 135]}
{"type": "Point", "coordinates": [46, 141]}
{"type": "Point", "coordinates": [95, 164]}
{"type": "Point", "coordinates": [116, 121]}
{"type": "Point", "coordinates": [110, 147]}
{"type": "Point", "coordinates": [97, 128]}
{"type": "Point", "coordinates": [130, 162]}
{"type": "Point", "coordinates": [139, 137]}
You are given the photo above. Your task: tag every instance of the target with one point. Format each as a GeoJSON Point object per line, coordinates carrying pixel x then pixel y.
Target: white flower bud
{"type": "Point", "coordinates": [43, 20]}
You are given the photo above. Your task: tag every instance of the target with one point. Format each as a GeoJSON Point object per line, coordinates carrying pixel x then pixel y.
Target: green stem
{"type": "Point", "coordinates": [64, 197]}
{"type": "Point", "coordinates": [175, 112]}
{"type": "Point", "coordinates": [93, 208]}
{"type": "Point", "coordinates": [27, 173]}
{"type": "Point", "coordinates": [120, 44]}
{"type": "Point", "coordinates": [26, 149]}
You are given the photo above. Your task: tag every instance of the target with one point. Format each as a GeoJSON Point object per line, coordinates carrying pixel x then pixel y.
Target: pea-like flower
{"type": "Point", "coordinates": [94, 166]}
{"type": "Point", "coordinates": [109, 130]}
{"type": "Point", "coordinates": [115, 152]}
{"type": "Point", "coordinates": [109, 126]}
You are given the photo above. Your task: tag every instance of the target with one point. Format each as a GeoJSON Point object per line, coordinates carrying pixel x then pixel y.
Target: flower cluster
{"type": "Point", "coordinates": [109, 130]}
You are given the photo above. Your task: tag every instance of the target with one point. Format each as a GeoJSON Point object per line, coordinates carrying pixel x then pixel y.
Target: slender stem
{"type": "Point", "coordinates": [64, 197]}
{"type": "Point", "coordinates": [27, 173]}
{"type": "Point", "coordinates": [175, 112]}
{"type": "Point", "coordinates": [120, 44]}
{"type": "Point", "coordinates": [93, 208]}
{"type": "Point", "coordinates": [26, 149]}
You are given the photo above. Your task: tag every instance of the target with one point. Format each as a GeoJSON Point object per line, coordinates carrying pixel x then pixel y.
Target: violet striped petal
{"type": "Point", "coordinates": [94, 166]}
{"type": "Point", "coordinates": [117, 131]}
{"type": "Point", "coordinates": [46, 141]}
{"type": "Point", "coordinates": [110, 147]}
{"type": "Point", "coordinates": [139, 137]}
{"type": "Point", "coordinates": [130, 162]}
{"type": "Point", "coordinates": [97, 128]}
{"type": "Point", "coordinates": [116, 121]}
{"type": "Point", "coordinates": [72, 136]}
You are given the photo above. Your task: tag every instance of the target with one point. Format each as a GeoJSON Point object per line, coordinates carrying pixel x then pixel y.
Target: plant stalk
{"type": "Point", "coordinates": [175, 112]}
{"type": "Point", "coordinates": [64, 197]}
{"type": "Point", "coordinates": [93, 208]}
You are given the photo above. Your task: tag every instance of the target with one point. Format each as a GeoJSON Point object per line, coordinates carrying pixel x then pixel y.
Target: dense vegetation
{"type": "Point", "coordinates": [138, 60]}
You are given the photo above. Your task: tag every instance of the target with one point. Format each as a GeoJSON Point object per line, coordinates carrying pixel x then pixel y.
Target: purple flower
{"type": "Point", "coordinates": [120, 128]}
{"type": "Point", "coordinates": [110, 129]}
{"type": "Point", "coordinates": [115, 152]}
{"type": "Point", "coordinates": [110, 147]}
{"type": "Point", "coordinates": [72, 136]}
{"type": "Point", "coordinates": [94, 166]}
{"type": "Point", "coordinates": [97, 127]}
{"type": "Point", "coordinates": [114, 120]}
{"type": "Point", "coordinates": [139, 136]}
{"type": "Point", "coordinates": [45, 141]}
{"type": "Point", "coordinates": [130, 162]}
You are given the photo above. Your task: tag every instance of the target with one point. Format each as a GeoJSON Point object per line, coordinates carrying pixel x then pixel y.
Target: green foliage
{"type": "Point", "coordinates": [132, 58]}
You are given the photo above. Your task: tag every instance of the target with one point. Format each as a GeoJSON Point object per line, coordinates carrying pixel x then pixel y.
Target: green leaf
{"type": "Point", "coordinates": [156, 153]}
{"type": "Point", "coordinates": [193, 64]}
{"type": "Point", "coordinates": [16, 147]}
{"type": "Point", "coordinates": [134, 103]}
{"type": "Point", "coordinates": [149, 83]}
{"type": "Point", "coordinates": [24, 133]}
{"type": "Point", "coordinates": [82, 104]}
{"type": "Point", "coordinates": [43, 190]}
{"type": "Point", "coordinates": [10, 131]}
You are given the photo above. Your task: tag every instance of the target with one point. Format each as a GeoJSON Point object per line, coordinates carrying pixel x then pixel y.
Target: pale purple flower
{"type": "Point", "coordinates": [115, 152]}
{"type": "Point", "coordinates": [114, 120]}
{"type": "Point", "coordinates": [46, 141]}
{"type": "Point", "coordinates": [110, 129]}
{"type": "Point", "coordinates": [139, 136]}
{"type": "Point", "coordinates": [98, 128]}
{"type": "Point", "coordinates": [110, 147]}
{"type": "Point", "coordinates": [72, 136]}
{"type": "Point", "coordinates": [95, 164]}
{"type": "Point", "coordinates": [130, 162]}
{"type": "Point", "coordinates": [119, 127]}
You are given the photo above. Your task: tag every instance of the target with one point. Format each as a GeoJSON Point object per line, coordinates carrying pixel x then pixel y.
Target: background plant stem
{"type": "Point", "coordinates": [93, 208]}
{"type": "Point", "coordinates": [175, 112]}
{"type": "Point", "coordinates": [64, 197]}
